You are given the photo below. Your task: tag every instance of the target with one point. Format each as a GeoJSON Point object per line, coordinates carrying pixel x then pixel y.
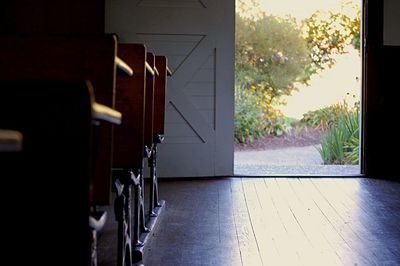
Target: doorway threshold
{"type": "Point", "coordinates": [292, 161]}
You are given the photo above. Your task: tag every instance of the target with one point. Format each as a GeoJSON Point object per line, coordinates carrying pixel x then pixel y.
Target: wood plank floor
{"type": "Point", "coordinates": [276, 221]}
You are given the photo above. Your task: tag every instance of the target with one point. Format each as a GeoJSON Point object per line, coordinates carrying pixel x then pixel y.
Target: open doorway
{"type": "Point", "coordinates": [297, 87]}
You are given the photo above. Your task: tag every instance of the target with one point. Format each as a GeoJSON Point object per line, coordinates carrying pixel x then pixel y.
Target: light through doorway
{"type": "Point", "coordinates": [297, 87]}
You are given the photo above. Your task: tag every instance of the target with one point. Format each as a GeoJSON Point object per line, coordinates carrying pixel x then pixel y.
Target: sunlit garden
{"type": "Point", "coordinates": [277, 55]}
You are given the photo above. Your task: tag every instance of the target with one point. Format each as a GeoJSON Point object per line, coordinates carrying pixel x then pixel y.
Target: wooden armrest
{"type": "Point", "coordinates": [104, 113]}
{"type": "Point", "coordinates": [149, 69]}
{"type": "Point", "coordinates": [169, 72]}
{"type": "Point", "coordinates": [10, 141]}
{"type": "Point", "coordinates": [123, 67]}
{"type": "Point", "coordinates": [156, 71]}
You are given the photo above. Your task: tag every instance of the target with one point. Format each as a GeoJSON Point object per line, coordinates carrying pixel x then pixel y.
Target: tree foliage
{"type": "Point", "coordinates": [270, 51]}
{"type": "Point", "coordinates": [276, 50]}
{"type": "Point", "coordinates": [274, 53]}
{"type": "Point", "coordinates": [329, 33]}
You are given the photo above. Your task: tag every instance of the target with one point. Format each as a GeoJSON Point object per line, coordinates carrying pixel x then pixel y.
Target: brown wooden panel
{"type": "Point", "coordinates": [43, 16]}
{"type": "Point", "coordinates": [130, 101]}
{"type": "Point", "coordinates": [48, 179]}
{"type": "Point", "coordinates": [44, 57]}
{"type": "Point", "coordinates": [159, 95]}
{"type": "Point", "coordinates": [149, 113]}
{"type": "Point", "coordinates": [59, 57]}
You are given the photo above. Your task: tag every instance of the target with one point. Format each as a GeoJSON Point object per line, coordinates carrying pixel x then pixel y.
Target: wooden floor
{"type": "Point", "coordinates": [276, 221]}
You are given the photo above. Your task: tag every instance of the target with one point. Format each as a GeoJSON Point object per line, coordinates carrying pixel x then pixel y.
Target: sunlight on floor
{"type": "Point", "coordinates": [292, 215]}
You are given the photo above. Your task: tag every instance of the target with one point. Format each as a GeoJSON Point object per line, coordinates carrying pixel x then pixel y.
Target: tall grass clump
{"type": "Point", "coordinates": [340, 143]}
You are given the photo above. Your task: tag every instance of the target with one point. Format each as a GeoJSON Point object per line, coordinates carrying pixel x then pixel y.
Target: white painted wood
{"type": "Point", "coordinates": [197, 36]}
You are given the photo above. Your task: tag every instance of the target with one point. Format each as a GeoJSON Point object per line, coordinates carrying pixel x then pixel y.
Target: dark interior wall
{"type": "Point", "coordinates": [46, 16]}
{"type": "Point", "coordinates": [382, 143]}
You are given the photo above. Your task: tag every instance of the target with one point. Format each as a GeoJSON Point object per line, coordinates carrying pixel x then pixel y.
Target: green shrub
{"type": "Point", "coordinates": [255, 115]}
{"type": "Point", "coordinates": [248, 116]}
{"type": "Point", "coordinates": [274, 121]}
{"type": "Point", "coordinates": [323, 118]}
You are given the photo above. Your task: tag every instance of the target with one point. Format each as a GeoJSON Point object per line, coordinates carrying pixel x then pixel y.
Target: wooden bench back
{"type": "Point", "coordinates": [160, 95]}
{"type": "Point", "coordinates": [48, 179]}
{"type": "Point", "coordinates": [149, 108]}
{"type": "Point", "coordinates": [63, 58]}
{"type": "Point", "coordinates": [130, 101]}
{"type": "Point", "coordinates": [70, 58]}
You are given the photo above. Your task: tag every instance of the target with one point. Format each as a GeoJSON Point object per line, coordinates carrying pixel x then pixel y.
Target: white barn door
{"type": "Point", "coordinates": [197, 36]}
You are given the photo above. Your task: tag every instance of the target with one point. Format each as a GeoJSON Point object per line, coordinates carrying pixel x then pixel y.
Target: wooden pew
{"type": "Point", "coordinates": [10, 140]}
{"type": "Point", "coordinates": [160, 90]}
{"type": "Point", "coordinates": [149, 109]}
{"type": "Point", "coordinates": [74, 59]}
{"type": "Point", "coordinates": [129, 151]}
{"type": "Point", "coordinates": [70, 58]}
{"type": "Point", "coordinates": [132, 144]}
{"type": "Point", "coordinates": [46, 209]}
{"type": "Point", "coordinates": [141, 99]}
{"type": "Point", "coordinates": [160, 97]}
{"type": "Point", "coordinates": [130, 97]}
{"type": "Point", "coordinates": [154, 130]}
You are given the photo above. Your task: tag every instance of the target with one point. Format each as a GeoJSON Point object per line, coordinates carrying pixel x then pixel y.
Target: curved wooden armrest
{"type": "Point", "coordinates": [123, 67]}
{"type": "Point", "coordinates": [104, 113]}
{"type": "Point", "coordinates": [10, 140]}
{"type": "Point", "coordinates": [169, 72]}
{"type": "Point", "coordinates": [149, 69]}
{"type": "Point", "coordinates": [156, 71]}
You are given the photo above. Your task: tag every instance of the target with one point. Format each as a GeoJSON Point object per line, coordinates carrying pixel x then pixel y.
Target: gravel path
{"type": "Point", "coordinates": [288, 161]}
